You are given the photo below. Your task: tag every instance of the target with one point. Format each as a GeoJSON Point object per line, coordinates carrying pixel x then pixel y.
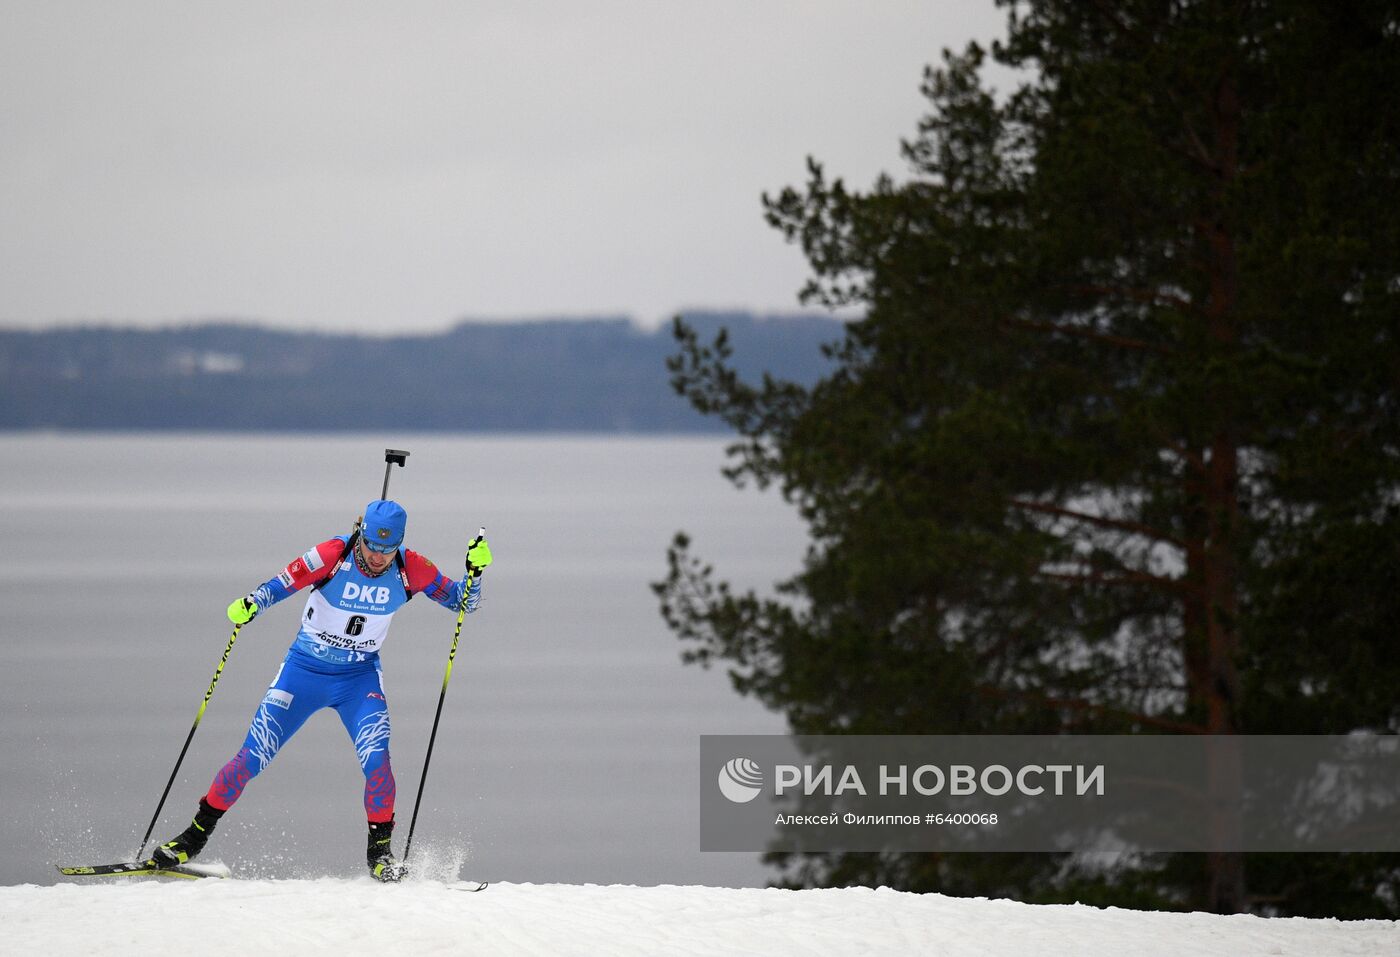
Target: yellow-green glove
{"type": "Point", "coordinates": [242, 610]}
{"type": "Point", "coordinates": [478, 557]}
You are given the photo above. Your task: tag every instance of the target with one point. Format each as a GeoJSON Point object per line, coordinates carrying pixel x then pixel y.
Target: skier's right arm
{"type": "Point", "coordinates": [307, 569]}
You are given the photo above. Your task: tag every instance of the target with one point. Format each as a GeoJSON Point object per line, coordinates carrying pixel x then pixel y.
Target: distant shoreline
{"type": "Point", "coordinates": [603, 376]}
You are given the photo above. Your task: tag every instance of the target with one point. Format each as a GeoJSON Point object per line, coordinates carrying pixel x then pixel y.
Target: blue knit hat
{"type": "Point", "coordinates": [384, 523]}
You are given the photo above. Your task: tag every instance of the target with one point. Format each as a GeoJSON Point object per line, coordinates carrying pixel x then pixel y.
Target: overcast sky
{"type": "Point", "coordinates": [400, 166]}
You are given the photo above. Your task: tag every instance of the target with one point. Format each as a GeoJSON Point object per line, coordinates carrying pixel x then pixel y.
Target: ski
{"type": "Point", "coordinates": [147, 868]}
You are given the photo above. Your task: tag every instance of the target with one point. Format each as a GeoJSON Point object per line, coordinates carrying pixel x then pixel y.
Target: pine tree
{"type": "Point", "coordinates": [1115, 447]}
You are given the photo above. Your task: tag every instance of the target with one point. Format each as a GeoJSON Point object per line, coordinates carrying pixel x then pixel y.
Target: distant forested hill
{"type": "Point", "coordinates": [598, 375]}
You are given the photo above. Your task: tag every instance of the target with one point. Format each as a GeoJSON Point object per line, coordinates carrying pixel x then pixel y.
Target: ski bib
{"type": "Point", "coordinates": [347, 619]}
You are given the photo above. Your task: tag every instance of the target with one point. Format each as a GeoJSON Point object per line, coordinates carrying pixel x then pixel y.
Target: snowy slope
{"type": "Point", "coordinates": [347, 917]}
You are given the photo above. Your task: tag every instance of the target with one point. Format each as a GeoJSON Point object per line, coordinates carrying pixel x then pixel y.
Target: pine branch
{"type": "Point", "coordinates": [1151, 297]}
{"type": "Point", "coordinates": [1136, 528]}
{"type": "Point", "coordinates": [1098, 577]}
{"type": "Point", "coordinates": [1122, 342]}
{"type": "Point", "coordinates": [1187, 455]}
{"type": "Point", "coordinates": [1098, 710]}
{"type": "Point", "coordinates": [1198, 153]}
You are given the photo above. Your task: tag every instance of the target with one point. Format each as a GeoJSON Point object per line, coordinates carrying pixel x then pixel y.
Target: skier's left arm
{"type": "Point", "coordinates": [425, 577]}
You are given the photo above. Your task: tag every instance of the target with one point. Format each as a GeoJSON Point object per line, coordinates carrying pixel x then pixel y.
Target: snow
{"type": "Point", "coordinates": [345, 917]}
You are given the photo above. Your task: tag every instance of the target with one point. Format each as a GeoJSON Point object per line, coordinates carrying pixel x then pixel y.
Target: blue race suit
{"type": "Point", "coordinates": [334, 662]}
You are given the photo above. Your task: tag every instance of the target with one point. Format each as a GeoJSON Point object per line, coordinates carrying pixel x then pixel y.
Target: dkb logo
{"type": "Point", "coordinates": [374, 594]}
{"type": "Point", "coordinates": [740, 780]}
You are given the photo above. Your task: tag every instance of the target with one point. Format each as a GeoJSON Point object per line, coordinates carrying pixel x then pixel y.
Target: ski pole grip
{"type": "Point", "coordinates": [480, 534]}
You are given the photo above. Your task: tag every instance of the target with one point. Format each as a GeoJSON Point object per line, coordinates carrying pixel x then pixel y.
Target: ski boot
{"type": "Point", "coordinates": [382, 864]}
{"type": "Point", "coordinates": [191, 840]}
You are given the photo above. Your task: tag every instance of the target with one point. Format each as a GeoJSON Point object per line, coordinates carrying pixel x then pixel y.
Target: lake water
{"type": "Point", "coordinates": [569, 743]}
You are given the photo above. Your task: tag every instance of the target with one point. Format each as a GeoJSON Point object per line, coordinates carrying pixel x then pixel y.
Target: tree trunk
{"type": "Point", "coordinates": [1219, 573]}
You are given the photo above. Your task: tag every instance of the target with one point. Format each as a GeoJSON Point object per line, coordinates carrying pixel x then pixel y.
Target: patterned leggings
{"type": "Point", "coordinates": [300, 689]}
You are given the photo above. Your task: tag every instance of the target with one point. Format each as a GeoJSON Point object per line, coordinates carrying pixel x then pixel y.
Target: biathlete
{"type": "Point", "coordinates": [358, 581]}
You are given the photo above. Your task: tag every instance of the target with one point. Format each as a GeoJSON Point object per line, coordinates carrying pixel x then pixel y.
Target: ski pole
{"type": "Point", "coordinates": [447, 676]}
{"type": "Point", "coordinates": [228, 649]}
